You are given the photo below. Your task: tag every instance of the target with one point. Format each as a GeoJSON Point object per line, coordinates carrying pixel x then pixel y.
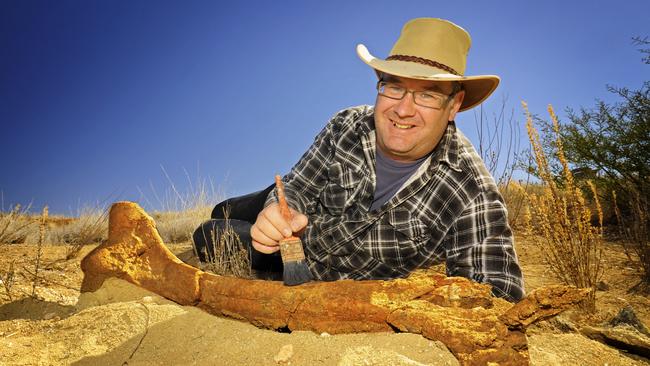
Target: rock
{"type": "Point", "coordinates": [628, 316]}
{"type": "Point", "coordinates": [476, 327]}
{"type": "Point", "coordinates": [147, 300]}
{"type": "Point", "coordinates": [625, 331]}
{"type": "Point", "coordinates": [285, 354]}
{"type": "Point", "coordinates": [564, 325]}
{"type": "Point", "coordinates": [602, 286]}
{"type": "Point", "coordinates": [542, 303]}
{"type": "Point", "coordinates": [624, 337]}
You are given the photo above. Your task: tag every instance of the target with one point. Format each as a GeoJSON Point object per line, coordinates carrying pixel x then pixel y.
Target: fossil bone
{"type": "Point", "coordinates": [476, 327]}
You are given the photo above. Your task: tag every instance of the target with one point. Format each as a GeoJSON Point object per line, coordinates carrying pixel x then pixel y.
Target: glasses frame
{"type": "Point", "coordinates": [445, 97]}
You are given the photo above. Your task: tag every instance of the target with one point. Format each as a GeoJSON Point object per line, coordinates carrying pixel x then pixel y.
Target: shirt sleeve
{"type": "Point", "coordinates": [480, 246]}
{"type": "Point", "coordinates": [307, 178]}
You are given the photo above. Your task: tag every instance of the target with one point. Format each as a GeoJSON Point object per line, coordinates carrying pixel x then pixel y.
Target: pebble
{"type": "Point", "coordinates": [147, 299]}
{"type": "Point", "coordinates": [285, 354]}
{"type": "Point", "coordinates": [602, 286]}
{"type": "Point", "coordinates": [324, 334]}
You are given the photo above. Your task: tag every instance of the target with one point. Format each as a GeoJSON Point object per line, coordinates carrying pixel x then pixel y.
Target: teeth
{"type": "Point", "coordinates": [403, 127]}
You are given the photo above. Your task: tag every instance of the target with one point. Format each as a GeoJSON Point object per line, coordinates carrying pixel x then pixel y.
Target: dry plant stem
{"type": "Point", "coordinates": [8, 280]}
{"type": "Point", "coordinates": [573, 245]}
{"type": "Point", "coordinates": [144, 334]}
{"type": "Point", "coordinates": [475, 326]}
{"type": "Point", "coordinates": [39, 251]}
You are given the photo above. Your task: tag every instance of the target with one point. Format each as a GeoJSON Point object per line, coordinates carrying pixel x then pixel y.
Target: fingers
{"type": "Point", "coordinates": [270, 227]}
{"type": "Point", "coordinates": [272, 224]}
{"type": "Point", "coordinates": [298, 222]}
{"type": "Point", "coordinates": [264, 248]}
{"type": "Point", "coordinates": [263, 243]}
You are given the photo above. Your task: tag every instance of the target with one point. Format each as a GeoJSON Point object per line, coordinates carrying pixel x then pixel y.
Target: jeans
{"type": "Point", "coordinates": [241, 212]}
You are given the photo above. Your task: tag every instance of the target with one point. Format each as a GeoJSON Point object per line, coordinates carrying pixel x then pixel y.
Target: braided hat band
{"type": "Point", "coordinates": [423, 61]}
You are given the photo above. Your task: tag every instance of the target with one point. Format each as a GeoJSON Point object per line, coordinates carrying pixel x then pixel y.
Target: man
{"type": "Point", "coordinates": [385, 190]}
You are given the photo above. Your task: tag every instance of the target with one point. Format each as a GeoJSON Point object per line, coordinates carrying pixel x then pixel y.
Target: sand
{"type": "Point", "coordinates": [122, 324]}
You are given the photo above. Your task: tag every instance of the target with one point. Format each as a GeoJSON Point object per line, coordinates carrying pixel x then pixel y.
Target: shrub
{"type": "Point", "coordinates": [635, 229]}
{"type": "Point", "coordinates": [573, 247]}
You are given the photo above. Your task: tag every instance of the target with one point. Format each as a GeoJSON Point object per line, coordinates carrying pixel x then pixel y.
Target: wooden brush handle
{"type": "Point", "coordinates": [282, 199]}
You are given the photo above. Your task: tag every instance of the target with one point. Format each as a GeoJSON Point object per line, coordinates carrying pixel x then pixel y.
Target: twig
{"type": "Point", "coordinates": [48, 281]}
{"type": "Point", "coordinates": [146, 331]}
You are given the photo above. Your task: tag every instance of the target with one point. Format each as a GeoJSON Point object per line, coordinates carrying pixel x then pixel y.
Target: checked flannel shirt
{"type": "Point", "coordinates": [449, 210]}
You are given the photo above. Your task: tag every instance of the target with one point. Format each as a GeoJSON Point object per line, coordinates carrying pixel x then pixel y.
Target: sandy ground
{"type": "Point", "coordinates": [121, 324]}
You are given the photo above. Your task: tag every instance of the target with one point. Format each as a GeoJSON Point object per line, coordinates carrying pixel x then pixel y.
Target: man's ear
{"type": "Point", "coordinates": [455, 104]}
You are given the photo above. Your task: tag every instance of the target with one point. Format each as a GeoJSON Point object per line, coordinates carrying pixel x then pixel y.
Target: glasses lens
{"type": "Point", "coordinates": [428, 99]}
{"type": "Point", "coordinates": [391, 90]}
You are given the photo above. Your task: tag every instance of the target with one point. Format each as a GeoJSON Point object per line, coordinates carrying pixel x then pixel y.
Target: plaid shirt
{"type": "Point", "coordinates": [449, 210]}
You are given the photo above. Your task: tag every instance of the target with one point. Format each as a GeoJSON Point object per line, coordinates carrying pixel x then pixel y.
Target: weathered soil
{"type": "Point", "coordinates": [121, 324]}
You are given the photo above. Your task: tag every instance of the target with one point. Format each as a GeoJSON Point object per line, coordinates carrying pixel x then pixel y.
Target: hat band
{"type": "Point", "coordinates": [424, 61]}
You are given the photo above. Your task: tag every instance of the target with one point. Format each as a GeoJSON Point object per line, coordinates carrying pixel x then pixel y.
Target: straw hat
{"type": "Point", "coordinates": [433, 49]}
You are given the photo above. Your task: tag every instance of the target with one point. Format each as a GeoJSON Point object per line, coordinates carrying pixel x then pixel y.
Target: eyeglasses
{"type": "Point", "coordinates": [424, 98]}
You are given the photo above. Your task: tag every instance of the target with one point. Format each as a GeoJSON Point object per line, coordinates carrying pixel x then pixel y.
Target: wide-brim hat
{"type": "Point", "coordinates": [433, 49]}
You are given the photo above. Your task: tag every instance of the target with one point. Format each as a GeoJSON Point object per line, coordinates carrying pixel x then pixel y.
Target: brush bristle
{"type": "Point", "coordinates": [296, 273]}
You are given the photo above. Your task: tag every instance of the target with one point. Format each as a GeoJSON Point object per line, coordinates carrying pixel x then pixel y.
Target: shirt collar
{"type": "Point", "coordinates": [447, 149]}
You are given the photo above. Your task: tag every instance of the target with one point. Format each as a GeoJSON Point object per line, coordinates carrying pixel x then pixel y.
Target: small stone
{"type": "Point", "coordinates": [324, 335]}
{"type": "Point", "coordinates": [285, 354]}
{"type": "Point", "coordinates": [147, 299]}
{"type": "Point", "coordinates": [602, 286]}
{"type": "Point", "coordinates": [49, 316]}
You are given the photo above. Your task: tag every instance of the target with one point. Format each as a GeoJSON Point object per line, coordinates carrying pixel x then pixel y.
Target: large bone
{"type": "Point", "coordinates": [462, 314]}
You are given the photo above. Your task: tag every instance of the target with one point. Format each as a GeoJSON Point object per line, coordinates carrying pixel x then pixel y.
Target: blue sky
{"type": "Point", "coordinates": [96, 96]}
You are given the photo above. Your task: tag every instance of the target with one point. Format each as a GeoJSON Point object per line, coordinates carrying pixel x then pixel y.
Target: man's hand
{"type": "Point", "coordinates": [270, 227]}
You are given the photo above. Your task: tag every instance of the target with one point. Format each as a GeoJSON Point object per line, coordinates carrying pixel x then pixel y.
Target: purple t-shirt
{"type": "Point", "coordinates": [391, 175]}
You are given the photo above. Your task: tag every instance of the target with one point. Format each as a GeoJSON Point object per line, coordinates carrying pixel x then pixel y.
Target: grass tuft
{"type": "Point", "coordinates": [230, 256]}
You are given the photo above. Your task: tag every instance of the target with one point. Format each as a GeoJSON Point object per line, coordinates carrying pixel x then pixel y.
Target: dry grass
{"type": "Point", "coordinates": [573, 245]}
{"type": "Point", "coordinates": [230, 256]}
{"type": "Point", "coordinates": [90, 227]}
{"type": "Point", "coordinates": [179, 213]}
{"type": "Point", "coordinates": [15, 225]}
{"type": "Point", "coordinates": [178, 226]}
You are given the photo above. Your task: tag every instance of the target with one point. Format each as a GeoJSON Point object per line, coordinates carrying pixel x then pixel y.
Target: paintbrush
{"type": "Point", "coordinates": [296, 270]}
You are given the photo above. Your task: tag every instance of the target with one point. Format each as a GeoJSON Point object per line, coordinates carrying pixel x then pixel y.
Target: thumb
{"type": "Point", "coordinates": [298, 222]}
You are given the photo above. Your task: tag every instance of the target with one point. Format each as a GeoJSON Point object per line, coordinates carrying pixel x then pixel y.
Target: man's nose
{"type": "Point", "coordinates": [406, 106]}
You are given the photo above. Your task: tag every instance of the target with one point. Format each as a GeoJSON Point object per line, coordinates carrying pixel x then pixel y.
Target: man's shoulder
{"type": "Point", "coordinates": [472, 162]}
{"type": "Point", "coordinates": [353, 117]}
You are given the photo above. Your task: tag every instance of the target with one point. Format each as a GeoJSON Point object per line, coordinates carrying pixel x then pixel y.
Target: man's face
{"type": "Point", "coordinates": [407, 131]}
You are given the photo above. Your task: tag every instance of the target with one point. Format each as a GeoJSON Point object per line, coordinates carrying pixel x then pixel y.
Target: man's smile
{"type": "Point", "coordinates": [401, 125]}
